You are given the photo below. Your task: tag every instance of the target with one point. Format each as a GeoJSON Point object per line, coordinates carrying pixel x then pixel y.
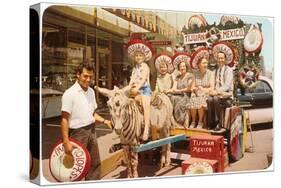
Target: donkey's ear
{"type": "Point", "coordinates": [127, 90]}
{"type": "Point", "coordinates": [105, 92]}
{"type": "Point", "coordinates": [115, 88]}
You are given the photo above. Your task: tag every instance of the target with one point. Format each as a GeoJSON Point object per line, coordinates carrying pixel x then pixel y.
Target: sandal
{"type": "Point", "coordinates": [200, 125]}
{"type": "Point", "coordinates": [192, 125]}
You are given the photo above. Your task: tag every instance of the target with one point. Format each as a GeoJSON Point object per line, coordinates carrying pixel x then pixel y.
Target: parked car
{"type": "Point", "coordinates": [260, 99]}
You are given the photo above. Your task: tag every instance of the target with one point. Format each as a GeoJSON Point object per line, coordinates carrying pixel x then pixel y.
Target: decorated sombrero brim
{"type": "Point", "coordinates": [197, 55]}
{"type": "Point", "coordinates": [253, 40]}
{"type": "Point", "coordinates": [226, 49]}
{"type": "Point", "coordinates": [166, 59]}
{"type": "Point", "coordinates": [64, 167]}
{"type": "Point", "coordinates": [181, 57]}
{"type": "Point", "coordinates": [137, 45]}
{"type": "Point", "coordinates": [199, 168]}
{"type": "Point", "coordinates": [197, 20]}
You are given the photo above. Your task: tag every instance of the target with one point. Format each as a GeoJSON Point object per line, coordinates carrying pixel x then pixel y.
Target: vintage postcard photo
{"type": "Point", "coordinates": [123, 93]}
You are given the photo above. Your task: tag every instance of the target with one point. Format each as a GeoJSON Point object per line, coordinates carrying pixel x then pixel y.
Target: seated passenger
{"type": "Point", "coordinates": [222, 94]}
{"type": "Point", "coordinates": [164, 66]}
{"type": "Point", "coordinates": [203, 84]}
{"type": "Point", "coordinates": [181, 91]}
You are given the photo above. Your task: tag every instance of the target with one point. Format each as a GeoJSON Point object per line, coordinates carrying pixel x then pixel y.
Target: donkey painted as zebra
{"type": "Point", "coordinates": [128, 121]}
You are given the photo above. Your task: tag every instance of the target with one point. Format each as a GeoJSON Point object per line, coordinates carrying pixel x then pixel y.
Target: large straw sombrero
{"type": "Point", "coordinates": [226, 49]}
{"type": "Point", "coordinates": [199, 168]}
{"type": "Point", "coordinates": [197, 55]}
{"type": "Point", "coordinates": [67, 168]}
{"type": "Point", "coordinates": [181, 57]}
{"type": "Point", "coordinates": [136, 45]}
{"type": "Point", "coordinates": [253, 40]}
{"type": "Point", "coordinates": [162, 57]}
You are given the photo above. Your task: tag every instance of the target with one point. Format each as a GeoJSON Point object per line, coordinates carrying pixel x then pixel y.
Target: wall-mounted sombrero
{"type": "Point", "coordinates": [253, 40]}
{"type": "Point", "coordinates": [197, 55]}
{"type": "Point", "coordinates": [66, 168]}
{"type": "Point", "coordinates": [136, 45]}
{"type": "Point", "coordinates": [199, 168]}
{"type": "Point", "coordinates": [181, 57]}
{"type": "Point", "coordinates": [196, 20]}
{"type": "Point", "coordinates": [166, 59]}
{"type": "Point", "coordinates": [226, 49]}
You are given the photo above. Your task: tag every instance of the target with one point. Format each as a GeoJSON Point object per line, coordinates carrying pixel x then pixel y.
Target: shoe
{"type": "Point", "coordinates": [200, 125]}
{"type": "Point", "coordinates": [192, 125]}
{"type": "Point", "coordinates": [218, 127]}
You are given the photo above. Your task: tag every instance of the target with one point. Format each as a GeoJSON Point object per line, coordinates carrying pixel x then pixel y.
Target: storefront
{"type": "Point", "coordinates": [74, 34]}
{"type": "Point", "coordinates": [66, 42]}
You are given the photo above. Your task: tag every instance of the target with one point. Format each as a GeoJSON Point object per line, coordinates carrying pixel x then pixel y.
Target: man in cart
{"type": "Point", "coordinates": [221, 97]}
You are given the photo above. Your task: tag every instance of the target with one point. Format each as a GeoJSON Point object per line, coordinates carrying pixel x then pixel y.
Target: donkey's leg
{"type": "Point", "coordinates": [167, 147]}
{"type": "Point", "coordinates": [168, 153]}
{"type": "Point", "coordinates": [128, 160]}
{"type": "Point", "coordinates": [134, 164]}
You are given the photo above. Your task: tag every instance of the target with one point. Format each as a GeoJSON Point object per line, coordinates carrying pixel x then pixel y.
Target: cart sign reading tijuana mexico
{"type": "Point", "coordinates": [230, 34]}
{"type": "Point", "coordinates": [195, 38]}
{"type": "Point", "coordinates": [203, 146]}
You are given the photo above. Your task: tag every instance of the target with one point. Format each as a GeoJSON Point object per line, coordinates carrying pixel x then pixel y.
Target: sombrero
{"type": "Point", "coordinates": [197, 55]}
{"type": "Point", "coordinates": [166, 59]}
{"type": "Point", "coordinates": [197, 20]}
{"type": "Point", "coordinates": [64, 167]}
{"type": "Point", "coordinates": [249, 76]}
{"type": "Point", "coordinates": [199, 168]}
{"type": "Point", "coordinates": [181, 57]}
{"type": "Point", "coordinates": [226, 49]}
{"type": "Point", "coordinates": [135, 45]}
{"type": "Point", "coordinates": [253, 40]}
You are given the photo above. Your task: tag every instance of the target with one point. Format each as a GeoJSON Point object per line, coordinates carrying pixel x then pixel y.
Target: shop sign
{"type": "Point", "coordinates": [161, 43]}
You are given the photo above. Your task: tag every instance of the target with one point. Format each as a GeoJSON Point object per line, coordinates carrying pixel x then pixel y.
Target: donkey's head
{"type": "Point", "coordinates": [117, 104]}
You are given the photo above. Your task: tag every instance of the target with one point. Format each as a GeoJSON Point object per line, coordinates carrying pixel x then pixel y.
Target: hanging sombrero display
{"type": "Point", "coordinates": [167, 59]}
{"type": "Point", "coordinates": [248, 76]}
{"type": "Point", "coordinates": [253, 40]}
{"type": "Point", "coordinates": [67, 168]}
{"type": "Point", "coordinates": [227, 50]}
{"type": "Point", "coordinates": [136, 45]}
{"type": "Point", "coordinates": [181, 57]}
{"type": "Point", "coordinates": [197, 55]}
{"type": "Point", "coordinates": [199, 168]}
{"type": "Point", "coordinates": [196, 21]}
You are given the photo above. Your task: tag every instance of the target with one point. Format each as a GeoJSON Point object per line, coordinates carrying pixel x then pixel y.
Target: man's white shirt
{"type": "Point", "coordinates": [80, 104]}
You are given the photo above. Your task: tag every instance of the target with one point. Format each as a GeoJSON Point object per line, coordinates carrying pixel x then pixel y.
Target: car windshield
{"type": "Point", "coordinates": [261, 87]}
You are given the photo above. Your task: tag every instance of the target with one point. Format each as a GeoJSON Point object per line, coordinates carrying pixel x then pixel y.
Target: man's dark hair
{"type": "Point", "coordinates": [87, 65]}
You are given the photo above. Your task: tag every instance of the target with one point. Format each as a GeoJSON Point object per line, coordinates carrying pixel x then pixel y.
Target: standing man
{"type": "Point", "coordinates": [220, 98]}
{"type": "Point", "coordinates": [78, 117]}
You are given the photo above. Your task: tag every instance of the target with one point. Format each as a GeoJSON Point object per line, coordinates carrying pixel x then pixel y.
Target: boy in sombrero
{"type": "Point", "coordinates": [141, 52]}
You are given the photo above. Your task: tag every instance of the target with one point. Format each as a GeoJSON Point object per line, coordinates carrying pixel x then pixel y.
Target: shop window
{"type": "Point", "coordinates": [91, 40]}
{"type": "Point", "coordinates": [76, 37]}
